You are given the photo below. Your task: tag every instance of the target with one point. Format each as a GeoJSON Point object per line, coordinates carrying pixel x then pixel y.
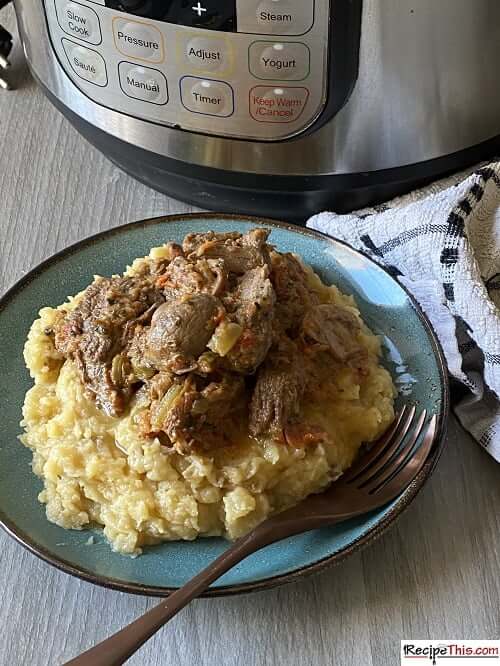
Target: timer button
{"type": "Point", "coordinates": [86, 63]}
{"type": "Point", "coordinates": [205, 54]}
{"type": "Point", "coordinates": [279, 60]}
{"type": "Point", "coordinates": [144, 83]}
{"type": "Point", "coordinates": [208, 97]}
{"type": "Point", "coordinates": [138, 40]}
{"type": "Point", "coordinates": [79, 21]}
{"type": "Point", "coordinates": [275, 17]}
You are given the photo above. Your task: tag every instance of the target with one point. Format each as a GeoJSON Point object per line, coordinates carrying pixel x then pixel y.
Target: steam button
{"type": "Point", "coordinates": [275, 17]}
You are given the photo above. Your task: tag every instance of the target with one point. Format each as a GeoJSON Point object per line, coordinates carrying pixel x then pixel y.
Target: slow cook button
{"type": "Point", "coordinates": [279, 60]}
{"type": "Point", "coordinates": [206, 53]}
{"type": "Point", "coordinates": [86, 63]}
{"type": "Point", "coordinates": [138, 40]}
{"type": "Point", "coordinates": [79, 21]}
{"type": "Point", "coordinates": [144, 83]}
{"type": "Point", "coordinates": [208, 97]}
{"type": "Point", "coordinates": [278, 104]}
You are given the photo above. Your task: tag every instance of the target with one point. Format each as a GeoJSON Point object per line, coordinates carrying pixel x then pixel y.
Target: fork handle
{"type": "Point", "coordinates": [116, 649]}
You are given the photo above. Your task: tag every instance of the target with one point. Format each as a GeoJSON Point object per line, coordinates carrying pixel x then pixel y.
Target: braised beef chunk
{"type": "Point", "coordinates": [293, 293]}
{"type": "Point", "coordinates": [210, 334]}
{"type": "Point", "coordinates": [254, 312]}
{"type": "Point", "coordinates": [239, 253]}
{"type": "Point", "coordinates": [183, 277]}
{"type": "Point", "coordinates": [280, 386]}
{"type": "Point", "coordinates": [330, 328]}
{"type": "Point", "coordinates": [99, 329]}
{"type": "Point", "coordinates": [191, 411]}
{"type": "Point", "coordinates": [180, 330]}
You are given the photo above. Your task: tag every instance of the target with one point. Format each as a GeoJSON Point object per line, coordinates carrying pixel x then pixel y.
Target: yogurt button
{"type": "Point", "coordinates": [138, 40]}
{"type": "Point", "coordinates": [79, 21]}
{"type": "Point", "coordinates": [280, 60]}
{"type": "Point", "coordinates": [211, 98]}
{"type": "Point", "coordinates": [144, 83]}
{"type": "Point", "coordinates": [86, 63]}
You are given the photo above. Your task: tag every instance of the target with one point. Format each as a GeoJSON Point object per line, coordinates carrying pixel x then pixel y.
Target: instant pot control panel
{"type": "Point", "coordinates": [250, 69]}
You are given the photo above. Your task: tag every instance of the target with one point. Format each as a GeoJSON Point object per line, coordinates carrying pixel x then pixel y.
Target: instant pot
{"type": "Point", "coordinates": [274, 107]}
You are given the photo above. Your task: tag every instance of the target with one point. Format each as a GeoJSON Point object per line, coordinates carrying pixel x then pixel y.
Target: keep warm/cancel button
{"type": "Point", "coordinates": [281, 104]}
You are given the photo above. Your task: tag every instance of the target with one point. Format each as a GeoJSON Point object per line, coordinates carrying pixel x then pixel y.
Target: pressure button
{"type": "Point", "coordinates": [138, 40]}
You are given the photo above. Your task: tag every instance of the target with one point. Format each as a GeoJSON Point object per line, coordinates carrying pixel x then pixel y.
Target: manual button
{"type": "Point", "coordinates": [278, 104]}
{"type": "Point", "coordinates": [86, 63]}
{"type": "Point", "coordinates": [144, 83]}
{"type": "Point", "coordinates": [206, 96]}
{"type": "Point", "coordinates": [79, 21]}
{"type": "Point", "coordinates": [138, 40]}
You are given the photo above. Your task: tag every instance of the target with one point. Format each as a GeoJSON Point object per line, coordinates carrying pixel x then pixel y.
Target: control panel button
{"type": "Point", "coordinates": [279, 60]}
{"type": "Point", "coordinates": [275, 17]}
{"type": "Point", "coordinates": [278, 104]}
{"type": "Point", "coordinates": [138, 40]}
{"type": "Point", "coordinates": [86, 63]}
{"type": "Point", "coordinates": [204, 54]}
{"type": "Point", "coordinates": [79, 21]}
{"type": "Point", "coordinates": [208, 97]}
{"type": "Point", "coordinates": [144, 83]}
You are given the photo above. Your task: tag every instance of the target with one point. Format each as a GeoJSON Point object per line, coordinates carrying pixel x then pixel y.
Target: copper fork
{"type": "Point", "coordinates": [378, 477]}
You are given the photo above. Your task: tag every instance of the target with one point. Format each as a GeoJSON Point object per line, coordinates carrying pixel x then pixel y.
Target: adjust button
{"type": "Point", "coordinates": [279, 60]}
{"type": "Point", "coordinates": [208, 97]}
{"type": "Point", "coordinates": [144, 83]}
{"type": "Point", "coordinates": [277, 104]}
{"type": "Point", "coordinates": [86, 63]}
{"type": "Point", "coordinates": [138, 40]}
{"type": "Point", "coordinates": [79, 21]}
{"type": "Point", "coordinates": [205, 53]}
{"type": "Point", "coordinates": [275, 17]}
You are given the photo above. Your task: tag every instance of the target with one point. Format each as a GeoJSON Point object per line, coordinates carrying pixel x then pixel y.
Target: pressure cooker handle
{"type": "Point", "coordinates": [5, 49]}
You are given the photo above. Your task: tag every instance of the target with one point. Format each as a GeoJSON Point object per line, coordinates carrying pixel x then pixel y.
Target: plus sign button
{"type": "Point", "coordinates": [208, 14]}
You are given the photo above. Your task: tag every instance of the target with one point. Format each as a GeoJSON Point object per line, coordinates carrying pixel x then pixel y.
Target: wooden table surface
{"type": "Point", "coordinates": [435, 574]}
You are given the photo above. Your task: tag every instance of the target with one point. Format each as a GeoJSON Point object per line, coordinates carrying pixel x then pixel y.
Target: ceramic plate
{"type": "Point", "coordinates": [411, 353]}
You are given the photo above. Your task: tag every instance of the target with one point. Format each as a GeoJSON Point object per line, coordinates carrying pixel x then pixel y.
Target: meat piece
{"type": "Point", "coordinates": [180, 331]}
{"type": "Point", "coordinates": [239, 253]}
{"type": "Point", "coordinates": [183, 277]}
{"type": "Point", "coordinates": [99, 329]}
{"type": "Point", "coordinates": [280, 386]}
{"type": "Point", "coordinates": [194, 416]}
{"type": "Point", "coordinates": [293, 294]}
{"type": "Point", "coordinates": [255, 300]}
{"type": "Point", "coordinates": [335, 330]}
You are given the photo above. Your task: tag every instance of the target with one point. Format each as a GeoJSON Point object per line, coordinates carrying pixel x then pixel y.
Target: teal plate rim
{"type": "Point", "coordinates": [273, 581]}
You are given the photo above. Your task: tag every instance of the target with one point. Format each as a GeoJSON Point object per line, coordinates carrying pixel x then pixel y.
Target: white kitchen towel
{"type": "Point", "coordinates": [443, 243]}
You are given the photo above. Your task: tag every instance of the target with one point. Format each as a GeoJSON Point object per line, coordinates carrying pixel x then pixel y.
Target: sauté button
{"type": "Point", "coordinates": [138, 40]}
{"type": "Point", "coordinates": [278, 104]}
{"type": "Point", "coordinates": [78, 20]}
{"type": "Point", "coordinates": [86, 63]}
{"type": "Point", "coordinates": [144, 83]}
{"type": "Point", "coordinates": [205, 54]}
{"type": "Point", "coordinates": [279, 60]}
{"type": "Point", "coordinates": [208, 97]}
{"type": "Point", "coordinates": [275, 17]}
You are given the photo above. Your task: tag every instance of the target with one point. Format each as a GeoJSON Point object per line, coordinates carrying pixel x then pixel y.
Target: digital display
{"type": "Point", "coordinates": [207, 14]}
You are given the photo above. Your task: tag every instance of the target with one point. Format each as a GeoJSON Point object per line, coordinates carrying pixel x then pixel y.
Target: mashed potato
{"type": "Point", "coordinates": [99, 471]}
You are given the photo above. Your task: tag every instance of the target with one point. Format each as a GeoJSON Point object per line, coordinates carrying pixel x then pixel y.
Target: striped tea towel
{"type": "Point", "coordinates": [443, 244]}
